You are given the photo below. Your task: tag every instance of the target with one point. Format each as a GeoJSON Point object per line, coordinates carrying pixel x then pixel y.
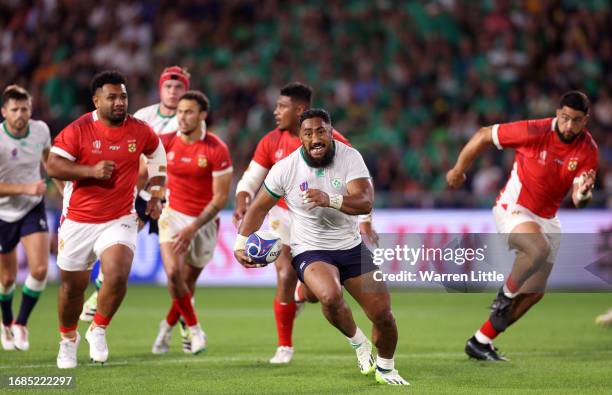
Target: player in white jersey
{"type": "Point", "coordinates": [24, 144]}
{"type": "Point", "coordinates": [326, 184]}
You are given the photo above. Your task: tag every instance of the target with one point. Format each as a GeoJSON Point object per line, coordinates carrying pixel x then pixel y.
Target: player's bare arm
{"type": "Point", "coordinates": [221, 188]}
{"type": "Point", "coordinates": [66, 170]}
{"type": "Point", "coordinates": [581, 192]}
{"type": "Point", "coordinates": [479, 141]}
{"type": "Point", "coordinates": [252, 221]}
{"type": "Point", "coordinates": [35, 188]}
{"type": "Point", "coordinates": [58, 183]}
{"type": "Point", "coordinates": [358, 201]}
{"type": "Point", "coordinates": [247, 187]}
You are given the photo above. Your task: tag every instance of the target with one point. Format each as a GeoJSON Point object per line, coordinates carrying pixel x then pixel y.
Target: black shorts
{"type": "Point", "coordinates": [11, 232]}
{"type": "Point", "coordinates": [141, 207]}
{"type": "Point", "coordinates": [350, 263]}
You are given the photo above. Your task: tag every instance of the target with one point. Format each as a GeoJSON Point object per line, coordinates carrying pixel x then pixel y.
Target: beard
{"type": "Point", "coordinates": [566, 140]}
{"type": "Point", "coordinates": [323, 161]}
{"type": "Point", "coordinates": [116, 118]}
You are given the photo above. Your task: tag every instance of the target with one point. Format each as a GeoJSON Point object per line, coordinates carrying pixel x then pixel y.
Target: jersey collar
{"type": "Point", "coordinates": [204, 131]}
{"type": "Point", "coordinates": [11, 135]}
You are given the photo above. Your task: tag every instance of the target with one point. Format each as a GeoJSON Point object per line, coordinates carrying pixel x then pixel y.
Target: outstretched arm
{"type": "Point", "coordinates": [479, 141]}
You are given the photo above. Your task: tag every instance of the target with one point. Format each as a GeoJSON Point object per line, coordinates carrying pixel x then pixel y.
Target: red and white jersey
{"type": "Point", "coordinates": [87, 141]}
{"type": "Point", "coordinates": [278, 144]}
{"type": "Point", "coordinates": [191, 168]}
{"type": "Point", "coordinates": [545, 168]}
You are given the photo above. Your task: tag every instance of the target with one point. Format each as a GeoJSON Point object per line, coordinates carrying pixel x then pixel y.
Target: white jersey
{"type": "Point", "coordinates": [20, 164]}
{"type": "Point", "coordinates": [321, 228]}
{"type": "Point", "coordinates": [161, 124]}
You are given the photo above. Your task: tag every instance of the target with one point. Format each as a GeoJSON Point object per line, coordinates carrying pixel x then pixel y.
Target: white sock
{"type": "Point", "coordinates": [7, 290]}
{"type": "Point", "coordinates": [384, 364]}
{"type": "Point", "coordinates": [34, 284]}
{"type": "Point", "coordinates": [358, 338]}
{"type": "Point", "coordinates": [482, 338]}
{"type": "Point", "coordinates": [508, 293]}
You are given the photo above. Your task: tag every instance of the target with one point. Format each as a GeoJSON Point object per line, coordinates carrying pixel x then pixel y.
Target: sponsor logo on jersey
{"type": "Point", "coordinates": [185, 159]}
{"type": "Point", "coordinates": [114, 147]}
{"type": "Point", "coordinates": [131, 147]}
{"type": "Point", "coordinates": [202, 161]}
{"type": "Point", "coordinates": [572, 165]}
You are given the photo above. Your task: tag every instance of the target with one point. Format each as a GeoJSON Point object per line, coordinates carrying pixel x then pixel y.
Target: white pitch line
{"type": "Point", "coordinates": [207, 359]}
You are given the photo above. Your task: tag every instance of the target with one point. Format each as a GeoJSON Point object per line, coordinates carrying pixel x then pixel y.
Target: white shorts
{"type": "Point", "coordinates": [507, 219]}
{"type": "Point", "coordinates": [202, 247]}
{"type": "Point", "coordinates": [279, 223]}
{"type": "Point", "coordinates": [80, 244]}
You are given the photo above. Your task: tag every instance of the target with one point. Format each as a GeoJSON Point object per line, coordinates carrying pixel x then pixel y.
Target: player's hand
{"type": "Point", "coordinates": [240, 210]}
{"type": "Point", "coordinates": [588, 182]}
{"type": "Point", "coordinates": [244, 260]}
{"type": "Point", "coordinates": [454, 178]}
{"type": "Point", "coordinates": [183, 239]}
{"type": "Point", "coordinates": [36, 188]}
{"type": "Point", "coordinates": [154, 208]}
{"type": "Point", "coordinates": [103, 170]}
{"type": "Point", "coordinates": [315, 198]}
{"type": "Point", "coordinates": [368, 233]}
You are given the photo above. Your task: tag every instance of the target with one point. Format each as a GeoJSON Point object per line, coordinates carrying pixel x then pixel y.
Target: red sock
{"type": "Point", "coordinates": [186, 308]}
{"type": "Point", "coordinates": [101, 320]}
{"type": "Point", "coordinates": [284, 315]}
{"type": "Point", "coordinates": [512, 286]}
{"type": "Point", "coordinates": [173, 314]}
{"type": "Point", "coordinates": [66, 329]}
{"type": "Point", "coordinates": [488, 330]}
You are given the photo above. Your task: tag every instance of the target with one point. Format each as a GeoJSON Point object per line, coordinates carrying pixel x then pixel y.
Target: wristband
{"type": "Point", "coordinates": [146, 196]}
{"type": "Point", "coordinates": [240, 243]}
{"type": "Point", "coordinates": [365, 217]}
{"type": "Point", "coordinates": [335, 200]}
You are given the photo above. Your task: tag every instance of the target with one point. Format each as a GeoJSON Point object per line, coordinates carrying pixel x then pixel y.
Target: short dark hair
{"type": "Point", "coordinates": [575, 100]}
{"type": "Point", "coordinates": [297, 91]}
{"type": "Point", "coordinates": [112, 77]}
{"type": "Point", "coordinates": [315, 113]}
{"type": "Point", "coordinates": [198, 97]}
{"type": "Point", "coordinates": [15, 92]}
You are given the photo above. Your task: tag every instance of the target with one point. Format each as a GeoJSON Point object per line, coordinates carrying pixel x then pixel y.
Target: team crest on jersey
{"type": "Point", "coordinates": [336, 183]}
{"type": "Point", "coordinates": [202, 161]}
{"type": "Point", "coordinates": [131, 147]}
{"type": "Point", "coordinates": [572, 164]}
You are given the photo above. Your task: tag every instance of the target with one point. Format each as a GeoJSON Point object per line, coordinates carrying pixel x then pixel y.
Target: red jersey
{"type": "Point", "coordinates": [544, 166]}
{"type": "Point", "coordinates": [191, 168]}
{"type": "Point", "coordinates": [278, 144]}
{"type": "Point", "coordinates": [87, 141]}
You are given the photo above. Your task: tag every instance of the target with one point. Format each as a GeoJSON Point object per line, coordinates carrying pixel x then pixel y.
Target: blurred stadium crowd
{"type": "Point", "coordinates": [406, 81]}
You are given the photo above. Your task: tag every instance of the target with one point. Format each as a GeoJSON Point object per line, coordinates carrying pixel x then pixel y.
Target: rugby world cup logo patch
{"type": "Point", "coordinates": [572, 164]}
{"type": "Point", "coordinates": [304, 186]}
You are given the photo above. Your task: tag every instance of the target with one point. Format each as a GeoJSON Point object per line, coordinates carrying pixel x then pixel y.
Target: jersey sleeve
{"type": "Point", "coordinates": [516, 135]}
{"type": "Point", "coordinates": [151, 141]}
{"type": "Point", "coordinates": [222, 161]}
{"type": "Point", "coordinates": [67, 143]}
{"type": "Point", "coordinates": [274, 183]}
{"type": "Point", "coordinates": [356, 166]}
{"type": "Point", "coordinates": [47, 139]}
{"type": "Point", "coordinates": [340, 137]}
{"type": "Point", "coordinates": [262, 153]}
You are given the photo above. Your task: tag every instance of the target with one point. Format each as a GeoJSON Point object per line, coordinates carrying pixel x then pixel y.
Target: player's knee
{"type": "Point", "coordinates": [383, 318]}
{"type": "Point", "coordinates": [39, 273]}
{"type": "Point", "coordinates": [538, 251]}
{"type": "Point", "coordinates": [331, 300]}
{"type": "Point", "coordinates": [174, 275]}
{"type": "Point", "coordinates": [7, 280]}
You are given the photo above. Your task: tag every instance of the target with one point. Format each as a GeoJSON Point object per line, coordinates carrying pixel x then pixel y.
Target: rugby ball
{"type": "Point", "coordinates": [263, 247]}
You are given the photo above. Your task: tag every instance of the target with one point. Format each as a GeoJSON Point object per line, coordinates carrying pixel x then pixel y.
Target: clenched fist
{"type": "Point", "coordinates": [454, 178]}
{"type": "Point", "coordinates": [36, 188]}
{"type": "Point", "coordinates": [103, 170]}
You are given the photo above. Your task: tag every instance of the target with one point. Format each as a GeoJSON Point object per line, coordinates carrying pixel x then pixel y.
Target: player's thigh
{"type": "Point", "coordinates": [116, 261]}
{"type": "Point", "coordinates": [115, 246]}
{"type": "Point", "coordinates": [528, 237]}
{"type": "Point", "coordinates": [202, 247]}
{"type": "Point", "coordinates": [323, 280]}
{"type": "Point", "coordinates": [75, 245]}
{"type": "Point", "coordinates": [37, 250]}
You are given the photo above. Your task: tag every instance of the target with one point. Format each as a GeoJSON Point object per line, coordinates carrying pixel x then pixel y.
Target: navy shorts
{"type": "Point", "coordinates": [11, 232]}
{"type": "Point", "coordinates": [350, 263]}
{"type": "Point", "coordinates": [141, 207]}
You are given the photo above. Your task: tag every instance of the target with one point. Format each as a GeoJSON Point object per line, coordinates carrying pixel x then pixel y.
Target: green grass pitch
{"type": "Point", "coordinates": [555, 349]}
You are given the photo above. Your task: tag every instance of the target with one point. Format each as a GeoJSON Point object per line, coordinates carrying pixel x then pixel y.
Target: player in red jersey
{"type": "Point", "coordinates": [199, 179]}
{"type": "Point", "coordinates": [294, 99]}
{"type": "Point", "coordinates": [98, 155]}
{"type": "Point", "coordinates": [553, 155]}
